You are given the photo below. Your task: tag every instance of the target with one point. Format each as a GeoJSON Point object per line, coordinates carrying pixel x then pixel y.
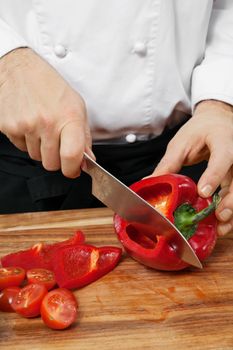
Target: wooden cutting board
{"type": "Point", "coordinates": [133, 307]}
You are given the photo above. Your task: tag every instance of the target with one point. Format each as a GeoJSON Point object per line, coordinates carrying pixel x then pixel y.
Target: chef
{"type": "Point", "coordinates": [143, 86]}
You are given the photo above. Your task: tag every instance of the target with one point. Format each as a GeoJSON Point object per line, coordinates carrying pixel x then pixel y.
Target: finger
{"type": "Point", "coordinates": [89, 151]}
{"type": "Point", "coordinates": [224, 212]}
{"type": "Point", "coordinates": [218, 166]}
{"type": "Point", "coordinates": [50, 153]}
{"type": "Point", "coordinates": [223, 192]}
{"type": "Point", "coordinates": [72, 145]}
{"type": "Point", "coordinates": [227, 179]}
{"type": "Point", "coordinates": [33, 147]}
{"type": "Point", "coordinates": [224, 229]}
{"type": "Point", "coordinates": [225, 184]}
{"type": "Point", "coordinates": [88, 138]}
{"type": "Point", "coordinates": [172, 161]}
{"type": "Point", "coordinates": [19, 142]}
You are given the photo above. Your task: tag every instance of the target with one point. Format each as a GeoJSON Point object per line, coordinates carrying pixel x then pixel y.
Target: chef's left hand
{"type": "Point", "coordinates": [208, 135]}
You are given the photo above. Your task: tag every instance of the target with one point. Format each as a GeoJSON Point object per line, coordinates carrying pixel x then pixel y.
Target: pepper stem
{"type": "Point", "coordinates": [206, 211]}
{"type": "Point", "coordinates": [186, 217]}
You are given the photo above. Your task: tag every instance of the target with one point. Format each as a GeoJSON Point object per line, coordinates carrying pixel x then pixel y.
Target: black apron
{"type": "Point", "coordinates": [25, 186]}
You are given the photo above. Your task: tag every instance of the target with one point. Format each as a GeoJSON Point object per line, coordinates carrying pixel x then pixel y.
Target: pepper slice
{"type": "Point", "coordinates": [77, 266]}
{"type": "Point", "coordinates": [176, 197]}
{"type": "Point", "coordinates": [39, 255]}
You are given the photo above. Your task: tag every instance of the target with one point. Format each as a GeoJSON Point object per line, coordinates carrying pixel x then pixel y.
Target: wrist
{"type": "Point", "coordinates": [207, 105]}
{"type": "Point", "coordinates": [13, 60]}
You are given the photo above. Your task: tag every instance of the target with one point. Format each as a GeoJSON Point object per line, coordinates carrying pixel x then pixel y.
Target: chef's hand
{"type": "Point", "coordinates": [41, 113]}
{"type": "Point", "coordinates": [208, 135]}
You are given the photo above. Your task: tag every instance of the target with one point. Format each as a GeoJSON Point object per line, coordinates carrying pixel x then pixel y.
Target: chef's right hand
{"type": "Point", "coordinates": [41, 114]}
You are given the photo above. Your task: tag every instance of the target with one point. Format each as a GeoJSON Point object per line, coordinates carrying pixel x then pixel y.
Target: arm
{"type": "Point", "coordinates": [213, 78]}
{"type": "Point", "coordinates": [209, 133]}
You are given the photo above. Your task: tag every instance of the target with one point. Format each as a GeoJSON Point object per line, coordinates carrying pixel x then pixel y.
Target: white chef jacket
{"type": "Point", "coordinates": [135, 62]}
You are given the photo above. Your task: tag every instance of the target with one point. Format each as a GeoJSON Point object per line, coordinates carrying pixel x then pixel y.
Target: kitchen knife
{"type": "Point", "coordinates": [131, 207]}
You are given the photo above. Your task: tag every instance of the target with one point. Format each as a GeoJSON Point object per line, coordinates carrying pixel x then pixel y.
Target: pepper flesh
{"type": "Point", "coordinates": [79, 265]}
{"type": "Point", "coordinates": [166, 193]}
{"type": "Point", "coordinates": [39, 255]}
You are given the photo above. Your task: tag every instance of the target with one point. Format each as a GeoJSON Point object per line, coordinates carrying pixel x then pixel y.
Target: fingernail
{"type": "Point", "coordinates": [224, 229]}
{"type": "Point", "coordinates": [225, 214]}
{"type": "Point", "coordinates": [206, 190]}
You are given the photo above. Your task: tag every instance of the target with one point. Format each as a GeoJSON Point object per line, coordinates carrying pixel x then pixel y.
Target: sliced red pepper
{"type": "Point", "coordinates": [26, 259]}
{"type": "Point", "coordinates": [48, 250]}
{"type": "Point", "coordinates": [39, 256]}
{"type": "Point", "coordinates": [177, 198]}
{"type": "Point", "coordinates": [79, 265]}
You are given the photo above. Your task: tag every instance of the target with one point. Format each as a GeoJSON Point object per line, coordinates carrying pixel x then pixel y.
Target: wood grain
{"type": "Point", "coordinates": [133, 307]}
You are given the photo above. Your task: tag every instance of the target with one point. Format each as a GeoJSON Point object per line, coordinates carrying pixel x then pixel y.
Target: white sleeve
{"type": "Point", "coordinates": [9, 39]}
{"type": "Point", "coordinates": [213, 78]}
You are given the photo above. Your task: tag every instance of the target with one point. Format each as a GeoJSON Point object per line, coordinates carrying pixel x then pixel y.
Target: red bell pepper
{"type": "Point", "coordinates": [74, 263]}
{"type": "Point", "coordinates": [39, 255]}
{"type": "Point", "coordinates": [176, 197]}
{"type": "Point", "coordinates": [79, 265]}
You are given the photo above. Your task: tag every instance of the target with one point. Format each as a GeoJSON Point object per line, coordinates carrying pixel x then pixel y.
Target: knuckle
{"type": "Point", "coordinates": [74, 113]}
{"type": "Point", "coordinates": [70, 155]}
{"type": "Point", "coordinates": [26, 125]}
{"type": "Point", "coordinates": [215, 177]}
{"type": "Point", "coordinates": [46, 121]}
{"type": "Point", "coordinates": [76, 108]}
{"type": "Point", "coordinates": [12, 130]}
{"type": "Point", "coordinates": [79, 101]}
{"type": "Point", "coordinates": [82, 103]}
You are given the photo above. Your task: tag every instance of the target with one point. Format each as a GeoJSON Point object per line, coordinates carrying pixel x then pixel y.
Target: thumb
{"type": "Point", "coordinates": [171, 162]}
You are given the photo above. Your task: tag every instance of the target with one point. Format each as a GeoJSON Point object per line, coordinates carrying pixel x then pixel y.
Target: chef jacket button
{"type": "Point", "coordinates": [131, 138]}
{"type": "Point", "coordinates": [140, 48]}
{"type": "Point", "coordinates": [60, 51]}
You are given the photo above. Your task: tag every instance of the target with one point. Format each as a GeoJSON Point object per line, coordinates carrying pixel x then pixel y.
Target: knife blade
{"type": "Point", "coordinates": [133, 208]}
